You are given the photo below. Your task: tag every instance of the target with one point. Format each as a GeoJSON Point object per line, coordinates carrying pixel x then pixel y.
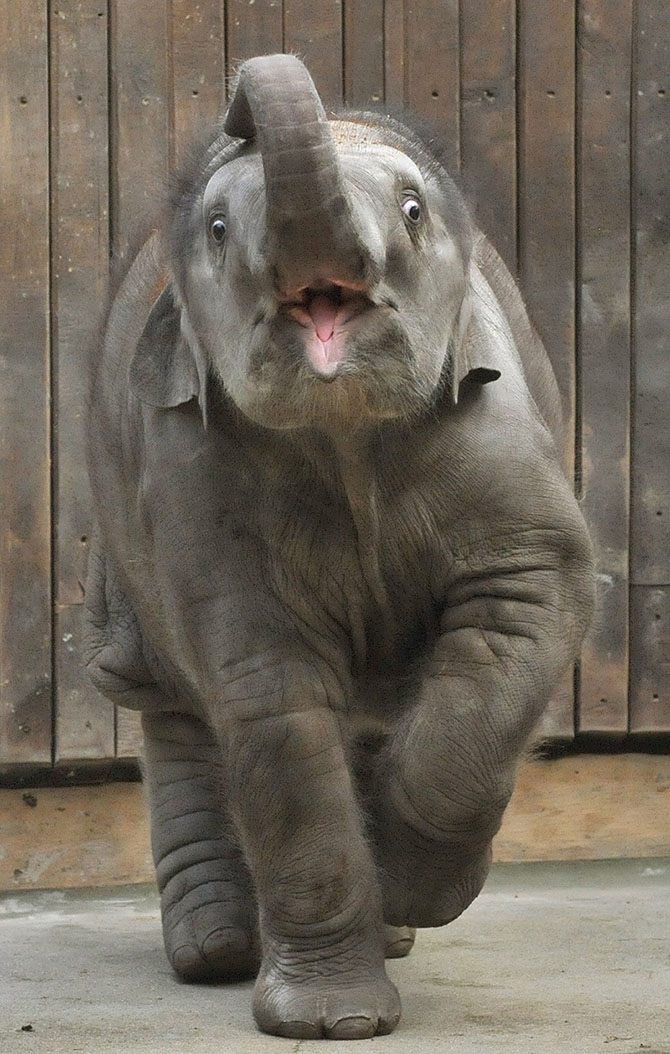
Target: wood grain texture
{"type": "Point", "coordinates": [603, 181]}
{"type": "Point", "coordinates": [25, 547]}
{"type": "Point", "coordinates": [546, 47]}
{"type": "Point", "coordinates": [363, 52]}
{"type": "Point", "coordinates": [546, 216]}
{"type": "Point", "coordinates": [488, 119]}
{"type": "Point", "coordinates": [198, 69]}
{"type": "Point", "coordinates": [252, 29]}
{"type": "Point", "coordinates": [394, 54]}
{"type": "Point", "coordinates": [432, 74]}
{"type": "Point", "coordinates": [583, 808]}
{"type": "Point", "coordinates": [313, 32]}
{"type": "Point", "coordinates": [650, 456]}
{"type": "Point", "coordinates": [650, 659]}
{"type": "Point", "coordinates": [140, 119]}
{"type": "Point", "coordinates": [84, 722]}
{"type": "Point", "coordinates": [650, 527]}
{"type": "Point", "coordinates": [590, 807]}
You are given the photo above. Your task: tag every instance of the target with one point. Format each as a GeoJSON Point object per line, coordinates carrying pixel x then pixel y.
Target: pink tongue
{"type": "Point", "coordinates": [323, 313]}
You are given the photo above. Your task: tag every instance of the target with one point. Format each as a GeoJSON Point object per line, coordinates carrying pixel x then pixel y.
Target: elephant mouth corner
{"type": "Point", "coordinates": [325, 310]}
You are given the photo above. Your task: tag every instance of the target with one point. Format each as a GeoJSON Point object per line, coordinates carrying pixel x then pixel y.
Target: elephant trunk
{"type": "Point", "coordinates": [312, 235]}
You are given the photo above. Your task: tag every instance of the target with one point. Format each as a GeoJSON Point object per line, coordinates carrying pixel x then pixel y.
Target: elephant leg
{"type": "Point", "coordinates": [208, 905]}
{"type": "Point", "coordinates": [322, 972]}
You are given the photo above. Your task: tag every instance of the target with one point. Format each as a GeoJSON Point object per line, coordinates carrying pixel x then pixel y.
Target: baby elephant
{"type": "Point", "coordinates": [337, 567]}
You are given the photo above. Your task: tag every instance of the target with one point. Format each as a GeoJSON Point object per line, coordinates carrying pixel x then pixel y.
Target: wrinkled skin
{"type": "Point", "coordinates": [340, 574]}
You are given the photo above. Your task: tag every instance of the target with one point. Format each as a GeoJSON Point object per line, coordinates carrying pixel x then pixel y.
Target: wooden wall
{"type": "Point", "coordinates": [557, 118]}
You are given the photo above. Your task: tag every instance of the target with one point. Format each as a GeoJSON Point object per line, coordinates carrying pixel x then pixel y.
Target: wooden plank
{"type": "Point", "coordinates": [198, 68]}
{"type": "Point", "coordinates": [25, 549]}
{"type": "Point", "coordinates": [546, 132]}
{"type": "Point", "coordinates": [74, 836]}
{"type": "Point", "coordinates": [363, 52]}
{"type": "Point", "coordinates": [84, 721]}
{"type": "Point", "coordinates": [546, 214]}
{"type": "Point", "coordinates": [394, 54]}
{"type": "Point", "coordinates": [432, 85]}
{"type": "Point", "coordinates": [650, 526]}
{"type": "Point", "coordinates": [650, 659]}
{"type": "Point", "coordinates": [488, 118]}
{"type": "Point", "coordinates": [604, 70]}
{"type": "Point", "coordinates": [252, 29]}
{"type": "Point", "coordinates": [129, 737]}
{"type": "Point", "coordinates": [589, 807]}
{"type": "Point", "coordinates": [650, 455]}
{"type": "Point", "coordinates": [313, 31]}
{"type": "Point", "coordinates": [139, 118]}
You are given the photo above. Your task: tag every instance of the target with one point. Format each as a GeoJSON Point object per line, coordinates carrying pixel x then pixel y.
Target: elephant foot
{"type": "Point", "coordinates": [208, 938]}
{"type": "Point", "coordinates": [432, 888]}
{"type": "Point", "coordinates": [398, 941]}
{"type": "Point", "coordinates": [324, 1007]}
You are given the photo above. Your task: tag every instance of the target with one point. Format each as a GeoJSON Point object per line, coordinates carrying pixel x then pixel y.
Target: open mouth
{"type": "Point", "coordinates": [324, 309]}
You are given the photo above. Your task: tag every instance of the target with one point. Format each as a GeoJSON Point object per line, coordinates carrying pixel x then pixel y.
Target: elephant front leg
{"type": "Point", "coordinates": [447, 775]}
{"type": "Point", "coordinates": [208, 906]}
{"type": "Point", "coordinates": [322, 972]}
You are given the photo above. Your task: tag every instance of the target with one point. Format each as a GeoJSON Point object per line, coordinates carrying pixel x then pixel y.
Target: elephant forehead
{"type": "Point", "coordinates": [381, 159]}
{"type": "Point", "coordinates": [239, 177]}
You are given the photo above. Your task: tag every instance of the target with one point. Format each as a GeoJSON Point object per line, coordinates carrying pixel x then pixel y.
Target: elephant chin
{"type": "Point", "coordinates": [290, 383]}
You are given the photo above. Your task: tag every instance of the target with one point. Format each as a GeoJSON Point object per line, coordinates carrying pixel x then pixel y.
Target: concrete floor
{"type": "Point", "coordinates": [551, 959]}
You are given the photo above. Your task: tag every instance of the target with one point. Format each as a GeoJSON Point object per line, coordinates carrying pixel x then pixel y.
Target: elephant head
{"type": "Point", "coordinates": [319, 268]}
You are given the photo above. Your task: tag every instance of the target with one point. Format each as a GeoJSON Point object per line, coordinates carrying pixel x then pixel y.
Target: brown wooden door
{"type": "Point", "coordinates": [556, 116]}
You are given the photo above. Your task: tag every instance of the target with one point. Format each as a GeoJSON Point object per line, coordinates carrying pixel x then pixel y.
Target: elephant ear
{"type": "Point", "coordinates": [475, 357]}
{"type": "Point", "coordinates": [168, 368]}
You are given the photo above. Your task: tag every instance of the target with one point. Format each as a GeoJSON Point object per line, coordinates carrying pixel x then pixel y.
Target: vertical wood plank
{"type": "Point", "coordinates": [139, 118]}
{"type": "Point", "coordinates": [650, 659]}
{"type": "Point", "coordinates": [313, 31]}
{"type": "Point", "coordinates": [394, 54]}
{"type": "Point", "coordinates": [488, 118]}
{"type": "Point", "coordinates": [25, 549]}
{"type": "Point", "coordinates": [363, 52]}
{"type": "Point", "coordinates": [198, 68]}
{"type": "Point", "coordinates": [252, 29]}
{"type": "Point", "coordinates": [650, 456]}
{"type": "Point", "coordinates": [604, 71]}
{"type": "Point", "coordinates": [546, 212]}
{"type": "Point", "coordinates": [84, 721]}
{"type": "Point", "coordinates": [432, 77]}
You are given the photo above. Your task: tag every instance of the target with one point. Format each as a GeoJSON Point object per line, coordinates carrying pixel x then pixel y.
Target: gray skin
{"type": "Point", "coordinates": [340, 575]}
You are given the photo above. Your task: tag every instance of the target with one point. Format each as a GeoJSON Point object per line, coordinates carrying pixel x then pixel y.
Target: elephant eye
{"type": "Point", "coordinates": [412, 209]}
{"type": "Point", "coordinates": [217, 229]}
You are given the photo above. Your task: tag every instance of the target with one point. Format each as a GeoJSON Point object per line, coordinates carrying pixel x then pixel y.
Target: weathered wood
{"type": "Point", "coordinates": [488, 118]}
{"type": "Point", "coordinates": [25, 574]}
{"type": "Point", "coordinates": [603, 180]}
{"type": "Point", "coordinates": [363, 52]}
{"type": "Point", "coordinates": [84, 722]}
{"type": "Point", "coordinates": [252, 29]}
{"type": "Point", "coordinates": [313, 31]}
{"type": "Point", "coordinates": [432, 85]}
{"type": "Point", "coordinates": [583, 808]}
{"type": "Point", "coordinates": [650, 659]}
{"type": "Point", "coordinates": [198, 69]}
{"type": "Point", "coordinates": [546, 213]}
{"type": "Point", "coordinates": [650, 527]}
{"type": "Point", "coordinates": [139, 118]}
{"type": "Point", "coordinates": [546, 134]}
{"type": "Point", "coordinates": [650, 457]}
{"type": "Point", "coordinates": [394, 54]}
{"type": "Point", "coordinates": [128, 734]}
